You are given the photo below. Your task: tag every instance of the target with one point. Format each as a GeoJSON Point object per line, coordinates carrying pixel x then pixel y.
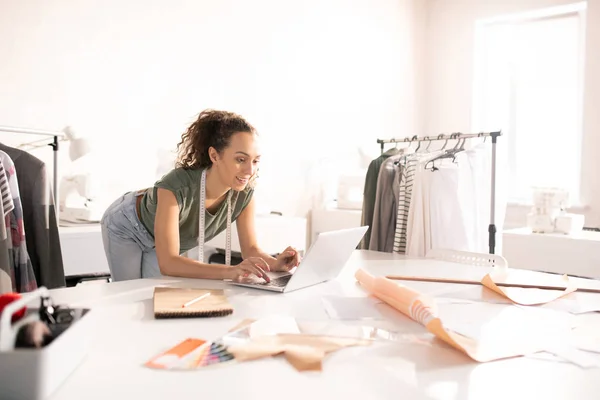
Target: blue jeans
{"type": "Point", "coordinates": [128, 246]}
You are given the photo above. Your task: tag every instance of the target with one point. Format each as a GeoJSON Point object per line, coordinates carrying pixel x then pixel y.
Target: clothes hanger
{"type": "Point", "coordinates": [419, 145]}
{"type": "Point", "coordinates": [440, 136]}
{"type": "Point", "coordinates": [457, 142]}
{"type": "Point", "coordinates": [393, 150]}
{"type": "Point", "coordinates": [449, 153]}
{"type": "Point", "coordinates": [428, 144]}
{"type": "Point", "coordinates": [461, 148]}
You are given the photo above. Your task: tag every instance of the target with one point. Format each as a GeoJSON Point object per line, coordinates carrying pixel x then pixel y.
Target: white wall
{"type": "Point", "coordinates": [449, 78]}
{"type": "Point", "coordinates": [318, 78]}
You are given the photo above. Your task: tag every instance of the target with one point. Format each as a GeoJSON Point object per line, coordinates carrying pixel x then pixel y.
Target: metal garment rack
{"type": "Point", "coordinates": [457, 136]}
{"type": "Point", "coordinates": [56, 135]}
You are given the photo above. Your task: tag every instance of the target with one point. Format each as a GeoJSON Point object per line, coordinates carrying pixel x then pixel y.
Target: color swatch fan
{"type": "Point", "coordinates": [190, 303]}
{"type": "Point", "coordinates": [192, 354]}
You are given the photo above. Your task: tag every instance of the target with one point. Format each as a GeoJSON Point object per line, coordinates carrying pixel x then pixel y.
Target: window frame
{"type": "Point", "coordinates": [517, 208]}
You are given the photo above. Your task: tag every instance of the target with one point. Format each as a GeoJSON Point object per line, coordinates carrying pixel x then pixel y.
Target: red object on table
{"type": "Point", "coordinates": [6, 299]}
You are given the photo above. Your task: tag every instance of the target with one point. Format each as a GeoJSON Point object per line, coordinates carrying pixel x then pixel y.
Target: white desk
{"type": "Point", "coordinates": [127, 336]}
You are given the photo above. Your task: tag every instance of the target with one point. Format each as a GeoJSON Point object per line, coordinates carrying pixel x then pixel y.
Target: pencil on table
{"type": "Point", "coordinates": [189, 303]}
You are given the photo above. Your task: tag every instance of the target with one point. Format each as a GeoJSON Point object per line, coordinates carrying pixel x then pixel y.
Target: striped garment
{"type": "Point", "coordinates": [410, 163]}
{"type": "Point", "coordinates": [404, 197]}
{"type": "Point", "coordinates": [7, 202]}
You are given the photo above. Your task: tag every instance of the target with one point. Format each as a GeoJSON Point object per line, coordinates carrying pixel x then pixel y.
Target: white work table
{"type": "Point", "coordinates": [127, 335]}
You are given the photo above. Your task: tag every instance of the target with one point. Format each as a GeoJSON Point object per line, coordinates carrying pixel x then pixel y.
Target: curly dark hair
{"type": "Point", "coordinates": [212, 128]}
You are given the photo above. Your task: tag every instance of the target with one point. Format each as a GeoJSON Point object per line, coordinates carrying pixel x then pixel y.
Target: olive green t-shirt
{"type": "Point", "coordinates": [185, 185]}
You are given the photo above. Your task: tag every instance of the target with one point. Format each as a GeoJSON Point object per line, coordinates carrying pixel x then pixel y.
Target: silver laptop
{"type": "Point", "coordinates": [323, 261]}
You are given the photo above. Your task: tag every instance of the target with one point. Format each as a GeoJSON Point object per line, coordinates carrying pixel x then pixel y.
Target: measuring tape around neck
{"type": "Point", "coordinates": [202, 220]}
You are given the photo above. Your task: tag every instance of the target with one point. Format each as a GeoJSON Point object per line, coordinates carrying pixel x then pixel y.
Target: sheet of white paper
{"type": "Point", "coordinates": [586, 342]}
{"type": "Point", "coordinates": [586, 334]}
{"type": "Point", "coordinates": [545, 356]}
{"type": "Point", "coordinates": [580, 358]}
{"type": "Point", "coordinates": [587, 308]}
{"type": "Point", "coordinates": [351, 308]}
{"type": "Point", "coordinates": [485, 321]}
{"type": "Point", "coordinates": [473, 293]}
{"type": "Point", "coordinates": [576, 356]}
{"type": "Point", "coordinates": [273, 325]}
{"type": "Point", "coordinates": [574, 303]}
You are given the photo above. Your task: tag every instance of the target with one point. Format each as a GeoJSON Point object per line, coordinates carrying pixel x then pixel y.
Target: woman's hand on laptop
{"type": "Point", "coordinates": [250, 266]}
{"type": "Point", "coordinates": [287, 260]}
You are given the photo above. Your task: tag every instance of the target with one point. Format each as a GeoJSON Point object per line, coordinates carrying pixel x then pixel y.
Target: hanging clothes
{"type": "Point", "coordinates": [404, 198]}
{"type": "Point", "coordinates": [407, 179]}
{"type": "Point", "coordinates": [446, 210]}
{"type": "Point", "coordinates": [443, 198]}
{"type": "Point", "coordinates": [386, 203]}
{"type": "Point", "coordinates": [452, 206]}
{"type": "Point", "coordinates": [6, 281]}
{"type": "Point", "coordinates": [39, 216]}
{"type": "Point", "coordinates": [418, 234]}
{"type": "Point", "coordinates": [21, 269]}
{"type": "Point", "coordinates": [370, 193]}
{"type": "Point", "coordinates": [7, 201]}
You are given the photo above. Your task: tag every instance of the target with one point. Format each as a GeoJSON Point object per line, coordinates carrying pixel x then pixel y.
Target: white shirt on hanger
{"type": "Point", "coordinates": [452, 206]}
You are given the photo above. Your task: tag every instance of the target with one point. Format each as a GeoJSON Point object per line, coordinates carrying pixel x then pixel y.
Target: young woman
{"type": "Point", "coordinates": [145, 233]}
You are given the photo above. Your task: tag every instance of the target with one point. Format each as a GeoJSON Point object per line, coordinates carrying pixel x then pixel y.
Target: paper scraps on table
{"type": "Point", "coordinates": [352, 308]}
{"type": "Point", "coordinates": [255, 339]}
{"type": "Point", "coordinates": [303, 352]}
{"type": "Point", "coordinates": [423, 309]}
{"type": "Point", "coordinates": [527, 296]}
{"type": "Point", "coordinates": [519, 286]}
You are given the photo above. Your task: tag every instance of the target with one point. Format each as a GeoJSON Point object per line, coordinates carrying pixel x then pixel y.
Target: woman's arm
{"type": "Point", "coordinates": [166, 237]}
{"type": "Point", "coordinates": [247, 235]}
{"type": "Point", "coordinates": [285, 261]}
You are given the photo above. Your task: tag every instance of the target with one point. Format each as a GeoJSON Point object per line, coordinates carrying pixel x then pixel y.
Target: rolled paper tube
{"type": "Point", "coordinates": [365, 279]}
{"type": "Point", "coordinates": [408, 301]}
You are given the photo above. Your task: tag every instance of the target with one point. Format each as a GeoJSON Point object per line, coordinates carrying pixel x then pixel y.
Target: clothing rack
{"type": "Point", "coordinates": [56, 135]}
{"type": "Point", "coordinates": [457, 136]}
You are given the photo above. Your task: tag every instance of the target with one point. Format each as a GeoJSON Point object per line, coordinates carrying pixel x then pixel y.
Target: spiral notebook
{"type": "Point", "coordinates": [190, 303]}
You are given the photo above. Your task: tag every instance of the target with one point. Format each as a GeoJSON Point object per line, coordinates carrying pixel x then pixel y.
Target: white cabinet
{"type": "Point", "coordinates": [577, 254]}
{"type": "Point", "coordinates": [82, 250]}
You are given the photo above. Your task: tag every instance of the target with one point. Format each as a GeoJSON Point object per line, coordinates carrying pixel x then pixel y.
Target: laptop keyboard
{"type": "Point", "coordinates": [277, 282]}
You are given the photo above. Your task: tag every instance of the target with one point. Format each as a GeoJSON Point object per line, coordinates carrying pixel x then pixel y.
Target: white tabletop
{"type": "Point", "coordinates": [127, 336]}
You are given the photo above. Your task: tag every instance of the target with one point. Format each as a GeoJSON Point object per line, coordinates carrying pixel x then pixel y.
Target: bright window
{"type": "Point", "coordinates": [529, 74]}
